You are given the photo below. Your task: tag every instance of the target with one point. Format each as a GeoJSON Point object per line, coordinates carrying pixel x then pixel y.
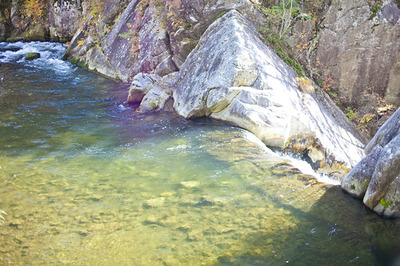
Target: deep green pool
{"type": "Point", "coordinates": [85, 180]}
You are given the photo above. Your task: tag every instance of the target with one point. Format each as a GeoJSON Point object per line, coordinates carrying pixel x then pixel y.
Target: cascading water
{"type": "Point", "coordinates": [86, 180]}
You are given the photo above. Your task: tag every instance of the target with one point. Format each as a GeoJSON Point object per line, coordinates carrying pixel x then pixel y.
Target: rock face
{"type": "Point", "coordinates": [376, 178]}
{"type": "Point", "coordinates": [359, 49]}
{"type": "Point", "coordinates": [232, 76]}
{"type": "Point", "coordinates": [39, 20]}
{"type": "Point", "coordinates": [137, 41]}
{"type": "Point", "coordinates": [147, 36]}
{"type": "Point", "coordinates": [64, 17]}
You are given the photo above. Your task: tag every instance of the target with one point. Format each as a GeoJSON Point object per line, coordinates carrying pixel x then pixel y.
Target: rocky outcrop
{"type": "Point", "coordinates": [136, 42]}
{"type": "Point", "coordinates": [376, 178]}
{"type": "Point", "coordinates": [147, 36]}
{"type": "Point", "coordinates": [55, 20]}
{"type": "Point", "coordinates": [233, 76]}
{"type": "Point", "coordinates": [64, 17]}
{"type": "Point", "coordinates": [359, 50]}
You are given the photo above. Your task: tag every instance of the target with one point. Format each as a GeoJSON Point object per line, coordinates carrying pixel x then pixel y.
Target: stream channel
{"type": "Point", "coordinates": [86, 180]}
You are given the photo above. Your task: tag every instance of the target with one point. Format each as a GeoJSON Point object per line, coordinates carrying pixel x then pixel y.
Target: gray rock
{"type": "Point", "coordinates": [141, 84]}
{"type": "Point", "coordinates": [200, 14]}
{"type": "Point", "coordinates": [127, 46]}
{"type": "Point", "coordinates": [64, 18]}
{"type": "Point", "coordinates": [112, 9]}
{"type": "Point", "coordinates": [357, 180]}
{"type": "Point", "coordinates": [379, 171]}
{"type": "Point", "coordinates": [386, 171]}
{"type": "Point", "coordinates": [389, 206]}
{"type": "Point", "coordinates": [155, 99]}
{"type": "Point", "coordinates": [232, 76]}
{"type": "Point", "coordinates": [156, 38]}
{"type": "Point", "coordinates": [356, 47]}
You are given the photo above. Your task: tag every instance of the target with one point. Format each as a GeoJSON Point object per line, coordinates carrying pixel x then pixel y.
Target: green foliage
{"type": "Point", "coordinates": [221, 14]}
{"type": "Point", "coordinates": [281, 50]}
{"type": "Point", "coordinates": [290, 5]}
{"type": "Point", "coordinates": [95, 7]}
{"type": "Point", "coordinates": [130, 33]}
{"type": "Point", "coordinates": [79, 63]}
{"type": "Point", "coordinates": [288, 144]}
{"type": "Point", "coordinates": [374, 10]}
{"type": "Point", "coordinates": [386, 204]}
{"type": "Point", "coordinates": [351, 113]}
{"type": "Point", "coordinates": [14, 39]}
{"type": "Point", "coordinates": [284, 15]}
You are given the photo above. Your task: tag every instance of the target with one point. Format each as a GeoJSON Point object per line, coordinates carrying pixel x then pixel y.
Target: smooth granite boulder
{"type": "Point", "coordinates": [233, 76]}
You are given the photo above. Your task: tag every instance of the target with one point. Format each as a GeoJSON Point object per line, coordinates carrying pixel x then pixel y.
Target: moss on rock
{"type": "Point", "coordinates": [32, 56]}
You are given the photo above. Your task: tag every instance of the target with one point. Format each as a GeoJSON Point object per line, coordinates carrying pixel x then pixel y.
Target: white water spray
{"type": "Point", "coordinates": [303, 166]}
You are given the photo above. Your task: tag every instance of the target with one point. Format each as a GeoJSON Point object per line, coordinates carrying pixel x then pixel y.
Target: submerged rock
{"type": "Point", "coordinates": [190, 184]}
{"type": "Point", "coordinates": [153, 203]}
{"type": "Point", "coordinates": [376, 178]}
{"type": "Point", "coordinates": [233, 76]}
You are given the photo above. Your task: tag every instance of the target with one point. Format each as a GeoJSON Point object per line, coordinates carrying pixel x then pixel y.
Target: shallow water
{"type": "Point", "coordinates": [86, 180]}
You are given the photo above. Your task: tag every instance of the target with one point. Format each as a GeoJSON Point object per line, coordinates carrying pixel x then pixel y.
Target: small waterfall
{"type": "Point", "coordinates": [303, 166]}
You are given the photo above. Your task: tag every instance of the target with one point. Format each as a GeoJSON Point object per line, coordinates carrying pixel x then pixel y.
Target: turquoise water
{"type": "Point", "coordinates": [86, 180]}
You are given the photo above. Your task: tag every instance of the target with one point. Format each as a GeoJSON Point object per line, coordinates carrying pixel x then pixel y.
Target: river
{"type": "Point", "coordinates": [86, 180]}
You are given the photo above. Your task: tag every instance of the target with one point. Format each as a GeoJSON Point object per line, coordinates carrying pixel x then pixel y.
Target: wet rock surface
{"type": "Point", "coordinates": [32, 56]}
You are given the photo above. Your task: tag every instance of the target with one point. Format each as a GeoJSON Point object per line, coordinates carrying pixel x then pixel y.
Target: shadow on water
{"type": "Point", "coordinates": [337, 230]}
{"type": "Point", "coordinates": [87, 180]}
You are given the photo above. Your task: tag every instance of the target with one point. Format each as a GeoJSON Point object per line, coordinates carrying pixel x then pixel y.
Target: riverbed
{"type": "Point", "coordinates": [87, 180]}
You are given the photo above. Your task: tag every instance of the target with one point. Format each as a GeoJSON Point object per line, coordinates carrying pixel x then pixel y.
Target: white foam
{"type": "Point", "coordinates": [179, 147]}
{"type": "Point", "coordinates": [306, 168]}
{"type": "Point", "coordinates": [50, 55]}
{"type": "Point", "coordinates": [303, 166]}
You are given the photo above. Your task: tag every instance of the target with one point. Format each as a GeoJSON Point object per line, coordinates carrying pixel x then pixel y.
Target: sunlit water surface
{"type": "Point", "coordinates": [86, 180]}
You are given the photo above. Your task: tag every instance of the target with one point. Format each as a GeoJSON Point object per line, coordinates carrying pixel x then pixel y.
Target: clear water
{"type": "Point", "coordinates": [86, 180]}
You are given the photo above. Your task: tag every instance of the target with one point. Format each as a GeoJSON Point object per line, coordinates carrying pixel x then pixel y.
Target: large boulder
{"type": "Point", "coordinates": [152, 92]}
{"type": "Point", "coordinates": [141, 85]}
{"type": "Point", "coordinates": [233, 76]}
{"type": "Point", "coordinates": [376, 178]}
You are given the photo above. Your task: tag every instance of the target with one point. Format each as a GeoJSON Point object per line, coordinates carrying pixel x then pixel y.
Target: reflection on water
{"type": "Point", "coordinates": [85, 180]}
